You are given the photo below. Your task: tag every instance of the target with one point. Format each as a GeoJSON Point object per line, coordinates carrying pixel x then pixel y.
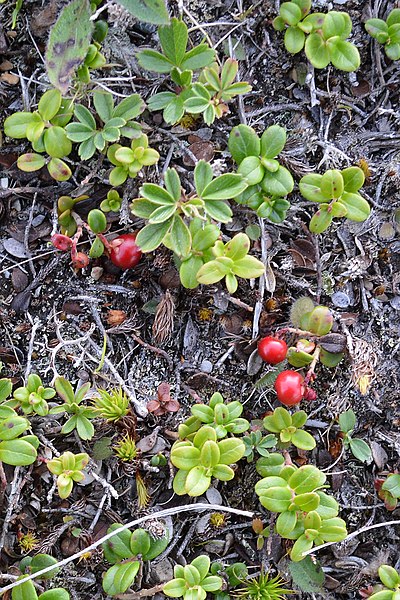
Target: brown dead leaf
{"type": "Point", "coordinates": [201, 150]}
{"type": "Point", "coordinates": [43, 18]}
{"type": "Point", "coordinates": [9, 78]}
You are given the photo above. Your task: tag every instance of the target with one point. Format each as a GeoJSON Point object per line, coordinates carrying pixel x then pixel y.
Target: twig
{"type": "Point", "coordinates": [159, 351]}
{"type": "Point", "coordinates": [158, 515]}
{"type": "Point", "coordinates": [35, 326]}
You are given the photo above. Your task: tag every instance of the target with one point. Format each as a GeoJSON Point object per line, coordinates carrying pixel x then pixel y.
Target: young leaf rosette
{"type": "Point", "coordinates": [231, 261]}
{"type": "Point", "coordinates": [288, 427]}
{"type": "Point", "coordinates": [257, 160]}
{"type": "Point", "coordinates": [200, 460]}
{"type": "Point", "coordinates": [337, 193]}
{"type": "Point", "coordinates": [193, 581]}
{"type": "Point", "coordinates": [387, 33]}
{"type": "Point", "coordinates": [44, 128]}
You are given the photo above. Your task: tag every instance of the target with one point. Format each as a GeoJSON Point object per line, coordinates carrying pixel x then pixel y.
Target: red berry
{"type": "Point", "coordinates": [272, 350]}
{"type": "Point", "coordinates": [125, 253]}
{"type": "Point", "coordinates": [61, 242]}
{"type": "Point", "coordinates": [289, 387]}
{"type": "Point", "coordinates": [80, 260]}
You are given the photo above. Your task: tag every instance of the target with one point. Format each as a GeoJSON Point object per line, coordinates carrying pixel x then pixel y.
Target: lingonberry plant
{"type": "Point", "coordinates": [205, 457]}
{"type": "Point", "coordinates": [337, 193]}
{"type": "Point", "coordinates": [306, 513]}
{"type": "Point", "coordinates": [45, 129]}
{"type": "Point", "coordinates": [69, 469]}
{"type": "Point", "coordinates": [268, 181]}
{"type": "Point", "coordinates": [288, 428]}
{"type": "Point", "coordinates": [33, 397]}
{"type": "Point", "coordinates": [323, 36]}
{"type": "Point", "coordinates": [127, 551]}
{"type": "Point", "coordinates": [193, 581]}
{"type": "Point", "coordinates": [224, 418]}
{"type": "Point", "coordinates": [387, 33]}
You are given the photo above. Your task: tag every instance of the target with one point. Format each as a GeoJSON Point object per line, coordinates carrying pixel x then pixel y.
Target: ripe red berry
{"type": "Point", "coordinates": [125, 253]}
{"type": "Point", "coordinates": [272, 350]}
{"type": "Point", "coordinates": [289, 387]}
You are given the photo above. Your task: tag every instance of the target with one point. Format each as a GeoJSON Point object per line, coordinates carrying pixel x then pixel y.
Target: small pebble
{"type": "Point", "coordinates": [340, 300]}
{"type": "Point", "coordinates": [395, 302]}
{"type": "Point", "coordinates": [206, 366]}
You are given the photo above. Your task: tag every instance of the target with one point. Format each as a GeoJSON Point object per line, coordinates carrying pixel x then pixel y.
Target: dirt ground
{"type": "Point", "coordinates": [53, 319]}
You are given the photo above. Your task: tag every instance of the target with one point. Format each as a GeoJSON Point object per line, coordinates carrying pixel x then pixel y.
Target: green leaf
{"type": "Point", "coordinates": [306, 479]}
{"type": "Point", "coordinates": [152, 235]}
{"type": "Point", "coordinates": [303, 440]}
{"type": "Point", "coordinates": [151, 60]}
{"type": "Point", "coordinates": [243, 141]}
{"type": "Point", "coordinates": [290, 13]}
{"type": "Point", "coordinates": [285, 523]}
{"type": "Point", "coordinates": [273, 141]}
{"type": "Point", "coordinates": [54, 594]}
{"type": "Point", "coordinates": [49, 104]}
{"type": "Point", "coordinates": [162, 213]}
{"type": "Point", "coordinates": [142, 208]}
{"type": "Point", "coordinates": [330, 359]}
{"type": "Point", "coordinates": [203, 176]}
{"type": "Point", "coordinates": [173, 39]}
{"type": "Point", "coordinates": [218, 210]}
{"type": "Point", "coordinates": [78, 132]}
{"type": "Point", "coordinates": [353, 178]}
{"type": "Point", "coordinates": [202, 564]}
{"type": "Point", "coordinates": [156, 194]}
{"type": "Point", "coordinates": [343, 55]}
{"type": "Point", "coordinates": [180, 237]}
{"type": "Point", "coordinates": [56, 142]}
{"type": "Point", "coordinates": [17, 453]}
{"type": "Point", "coordinates": [393, 19]}
{"type": "Point", "coordinates": [118, 547]}
{"type": "Point", "coordinates": [120, 577]}
{"type": "Point", "coordinates": [248, 267]}
{"type": "Point", "coordinates": [173, 184]}
{"type": "Point", "coordinates": [42, 561]}
{"type": "Point", "coordinates": [388, 575]}
{"type": "Point", "coordinates": [84, 115]}
{"type": "Point", "coordinates": [30, 162]}
{"type": "Point", "coordinates": [15, 125]}
{"type": "Point", "coordinates": [198, 57]}
{"type": "Point", "coordinates": [392, 485]}
{"type": "Point", "coordinates": [357, 207]}
{"type": "Point", "coordinates": [197, 481]}
{"type": "Point", "coordinates": [307, 575]}
{"type": "Point", "coordinates": [302, 544]}
{"type": "Point", "coordinates": [174, 110]}
{"type": "Point", "coordinates": [68, 43]}
{"type": "Point", "coordinates": [251, 170]}
{"type": "Point", "coordinates": [188, 272]}
{"type": "Point", "coordinates": [25, 591]}
{"type": "Point", "coordinates": [64, 390]}
{"type": "Point", "coordinates": [360, 450]}
{"type": "Point", "coordinates": [238, 247]}
{"type": "Point", "coordinates": [175, 588]}
{"type": "Point", "coordinates": [104, 104]}
{"type": "Point", "coordinates": [316, 51]}
{"type": "Point", "coordinates": [224, 187]}
{"type": "Point", "coordinates": [280, 183]}
{"type": "Point", "coordinates": [11, 427]}
{"type": "Point", "coordinates": [332, 184]}
{"type": "Point", "coordinates": [294, 40]}
{"type": "Point", "coordinates": [5, 389]}
{"type": "Point", "coordinates": [310, 188]}
{"type": "Point", "coordinates": [378, 29]}
{"type": "Point", "coordinates": [231, 450]}
{"type": "Point", "coordinates": [321, 220]}
{"type": "Point", "coordinates": [97, 220]}
{"type": "Point", "coordinates": [84, 428]}
{"type": "Point", "coordinates": [149, 11]}
{"type": "Point", "coordinates": [129, 108]}
{"type": "Point", "coordinates": [347, 421]}
{"type": "Point", "coordinates": [211, 272]}
{"type": "Point", "coordinates": [140, 542]}
{"type": "Point", "coordinates": [393, 51]}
